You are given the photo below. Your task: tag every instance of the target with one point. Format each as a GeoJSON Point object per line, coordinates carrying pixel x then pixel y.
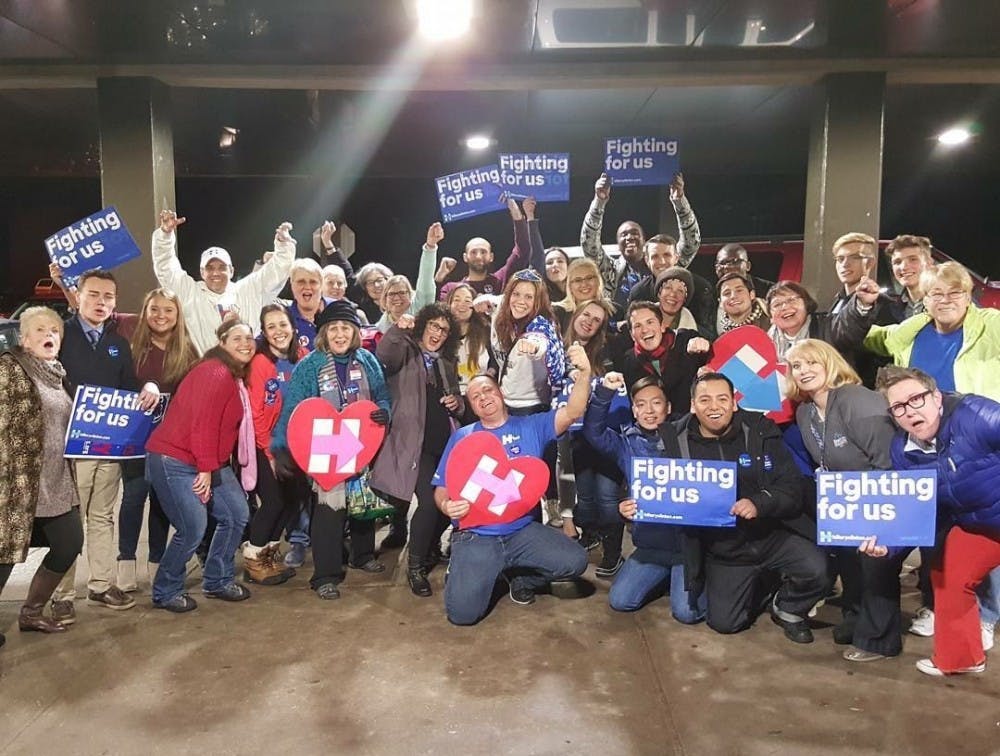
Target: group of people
{"type": "Point", "coordinates": [584, 362]}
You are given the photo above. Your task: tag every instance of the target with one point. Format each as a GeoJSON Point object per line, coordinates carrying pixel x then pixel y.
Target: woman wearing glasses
{"type": "Point", "coordinates": [371, 280]}
{"type": "Point", "coordinates": [846, 427]}
{"type": "Point", "coordinates": [583, 284]}
{"type": "Point", "coordinates": [398, 297]}
{"type": "Point", "coordinates": [794, 317]}
{"type": "Point", "coordinates": [418, 357]}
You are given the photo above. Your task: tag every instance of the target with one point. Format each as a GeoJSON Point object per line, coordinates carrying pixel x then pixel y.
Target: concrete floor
{"type": "Point", "coordinates": [382, 672]}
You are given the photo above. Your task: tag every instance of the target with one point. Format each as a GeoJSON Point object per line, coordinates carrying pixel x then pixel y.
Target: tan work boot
{"type": "Point", "coordinates": [259, 567]}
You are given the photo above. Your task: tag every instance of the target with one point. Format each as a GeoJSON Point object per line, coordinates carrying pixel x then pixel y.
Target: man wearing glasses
{"type": "Point", "coordinates": [958, 436]}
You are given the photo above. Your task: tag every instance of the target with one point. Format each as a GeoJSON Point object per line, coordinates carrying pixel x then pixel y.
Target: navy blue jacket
{"type": "Point", "coordinates": [967, 461]}
{"type": "Point", "coordinates": [622, 447]}
{"type": "Point", "coordinates": [107, 364]}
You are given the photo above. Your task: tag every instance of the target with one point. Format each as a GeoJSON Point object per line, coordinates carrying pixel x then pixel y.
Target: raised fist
{"type": "Point", "coordinates": [576, 356]}
{"type": "Point", "coordinates": [326, 233]}
{"type": "Point", "coordinates": [283, 233]}
{"type": "Point", "coordinates": [613, 381]}
{"type": "Point", "coordinates": [677, 187]}
{"type": "Point", "coordinates": [602, 188]}
{"type": "Point", "coordinates": [435, 234]}
{"type": "Point", "coordinates": [698, 346]}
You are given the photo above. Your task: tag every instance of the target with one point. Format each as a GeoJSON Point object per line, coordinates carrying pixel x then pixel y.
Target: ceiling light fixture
{"type": "Point", "coordinates": [227, 137]}
{"type": "Point", "coordinates": [954, 136]}
{"type": "Point", "coordinates": [478, 142]}
{"type": "Point", "coordinates": [440, 20]}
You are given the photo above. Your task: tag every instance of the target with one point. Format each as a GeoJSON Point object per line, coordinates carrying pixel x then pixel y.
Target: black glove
{"type": "Point", "coordinates": [284, 465]}
{"type": "Point", "coordinates": [380, 416]}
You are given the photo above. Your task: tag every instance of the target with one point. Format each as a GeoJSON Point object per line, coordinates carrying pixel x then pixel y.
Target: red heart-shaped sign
{"type": "Point", "coordinates": [331, 445]}
{"type": "Point", "coordinates": [751, 351]}
{"type": "Point", "coordinates": [500, 489]}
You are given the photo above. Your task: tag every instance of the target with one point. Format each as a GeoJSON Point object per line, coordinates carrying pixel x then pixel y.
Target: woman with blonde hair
{"type": "Point", "coordinates": [583, 284]}
{"type": "Point", "coordinates": [847, 427]}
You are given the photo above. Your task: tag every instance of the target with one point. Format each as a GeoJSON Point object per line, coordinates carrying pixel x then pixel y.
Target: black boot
{"type": "Point", "coordinates": [416, 576]}
{"type": "Point", "coordinates": [611, 543]}
{"type": "Point", "coordinates": [398, 531]}
{"type": "Point", "coordinates": [32, 617]}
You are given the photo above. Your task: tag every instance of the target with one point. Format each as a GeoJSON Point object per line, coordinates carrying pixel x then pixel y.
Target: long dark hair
{"type": "Point", "coordinates": [477, 337]}
{"type": "Point", "coordinates": [431, 312]}
{"type": "Point", "coordinates": [237, 369]}
{"type": "Point", "coordinates": [595, 347]}
{"type": "Point", "coordinates": [263, 347]}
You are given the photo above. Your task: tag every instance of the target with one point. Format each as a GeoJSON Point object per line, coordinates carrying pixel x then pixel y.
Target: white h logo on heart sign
{"type": "Point", "coordinates": [504, 490]}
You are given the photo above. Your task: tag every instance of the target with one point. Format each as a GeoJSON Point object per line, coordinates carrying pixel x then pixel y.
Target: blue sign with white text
{"type": "Point", "coordinates": [641, 161]}
{"type": "Point", "coordinates": [107, 423]}
{"type": "Point", "coordinates": [100, 240]}
{"type": "Point", "coordinates": [468, 193]}
{"type": "Point", "coordinates": [898, 508]}
{"type": "Point", "coordinates": [542, 175]}
{"type": "Point", "coordinates": [683, 491]}
{"type": "Point", "coordinates": [619, 412]}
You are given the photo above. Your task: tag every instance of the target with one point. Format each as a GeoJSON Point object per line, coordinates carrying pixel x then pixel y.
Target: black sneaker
{"type": "Point", "coordinates": [328, 591]}
{"type": "Point", "coordinates": [522, 596]}
{"type": "Point", "coordinates": [178, 604]}
{"type": "Point", "coordinates": [609, 566]}
{"type": "Point", "coordinates": [797, 632]}
{"type": "Point", "coordinates": [372, 565]}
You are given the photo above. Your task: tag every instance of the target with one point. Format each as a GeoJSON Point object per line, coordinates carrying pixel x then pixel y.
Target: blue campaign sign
{"type": "Point", "coordinates": [100, 240]}
{"type": "Point", "coordinates": [619, 413]}
{"type": "Point", "coordinates": [542, 175]}
{"type": "Point", "coordinates": [641, 161]}
{"type": "Point", "coordinates": [899, 508]}
{"type": "Point", "coordinates": [108, 423]}
{"type": "Point", "coordinates": [468, 193]}
{"type": "Point", "coordinates": [684, 491]}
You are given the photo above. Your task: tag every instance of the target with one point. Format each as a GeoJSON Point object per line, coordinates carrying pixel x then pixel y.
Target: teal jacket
{"type": "Point", "coordinates": [305, 384]}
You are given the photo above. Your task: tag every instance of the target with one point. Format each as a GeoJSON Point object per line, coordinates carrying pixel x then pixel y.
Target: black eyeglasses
{"type": "Point", "coordinates": [917, 401]}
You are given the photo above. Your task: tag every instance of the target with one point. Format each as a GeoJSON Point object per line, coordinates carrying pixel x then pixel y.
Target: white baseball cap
{"type": "Point", "coordinates": [216, 253]}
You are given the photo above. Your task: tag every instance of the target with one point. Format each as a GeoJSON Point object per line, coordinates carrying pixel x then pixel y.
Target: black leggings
{"type": "Point", "coordinates": [280, 503]}
{"type": "Point", "coordinates": [63, 534]}
{"type": "Point", "coordinates": [428, 523]}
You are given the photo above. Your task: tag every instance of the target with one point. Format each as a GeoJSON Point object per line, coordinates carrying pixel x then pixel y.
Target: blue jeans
{"type": "Point", "coordinates": [135, 489]}
{"type": "Point", "coordinates": [644, 576]}
{"type": "Point", "coordinates": [597, 498]}
{"type": "Point", "coordinates": [535, 555]}
{"type": "Point", "coordinates": [300, 534]}
{"type": "Point", "coordinates": [172, 481]}
{"type": "Point", "coordinates": [989, 597]}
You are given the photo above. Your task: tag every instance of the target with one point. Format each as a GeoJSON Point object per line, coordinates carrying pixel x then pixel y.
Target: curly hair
{"type": "Point", "coordinates": [431, 312]}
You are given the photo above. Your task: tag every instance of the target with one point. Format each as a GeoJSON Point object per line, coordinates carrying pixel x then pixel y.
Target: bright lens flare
{"type": "Point", "coordinates": [477, 142]}
{"type": "Point", "coordinates": [444, 19]}
{"type": "Point", "coordinates": [954, 137]}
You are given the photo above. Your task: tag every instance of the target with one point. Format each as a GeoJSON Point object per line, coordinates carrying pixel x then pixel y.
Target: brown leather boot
{"type": "Point", "coordinates": [32, 617]}
{"type": "Point", "coordinates": [259, 567]}
{"type": "Point", "coordinates": [273, 550]}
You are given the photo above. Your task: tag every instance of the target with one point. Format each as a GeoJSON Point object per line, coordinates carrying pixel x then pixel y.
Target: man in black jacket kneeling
{"type": "Point", "coordinates": [765, 562]}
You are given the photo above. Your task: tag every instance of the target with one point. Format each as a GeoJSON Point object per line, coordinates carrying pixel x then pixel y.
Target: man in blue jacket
{"type": "Point", "coordinates": [958, 436]}
{"type": "Point", "coordinates": [658, 559]}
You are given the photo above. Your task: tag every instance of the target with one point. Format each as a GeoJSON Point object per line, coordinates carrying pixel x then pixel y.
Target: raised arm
{"type": "Point", "coordinates": [255, 289]}
{"type": "Point", "coordinates": [595, 421]}
{"type": "Point", "coordinates": [590, 236]}
{"type": "Point", "coordinates": [518, 257]}
{"type": "Point", "coordinates": [576, 405]}
{"type": "Point", "coordinates": [166, 267]}
{"type": "Point", "coordinates": [425, 289]}
{"type": "Point", "coordinates": [688, 231]}
{"type": "Point", "coordinates": [335, 255]}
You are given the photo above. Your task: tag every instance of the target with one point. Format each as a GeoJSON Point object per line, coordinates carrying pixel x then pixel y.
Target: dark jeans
{"type": "Point", "coordinates": [737, 593]}
{"type": "Point", "coordinates": [428, 523]}
{"type": "Point", "coordinates": [845, 561]}
{"type": "Point", "coordinates": [135, 489]}
{"type": "Point", "coordinates": [63, 534]}
{"type": "Point", "coordinates": [533, 556]}
{"type": "Point", "coordinates": [880, 626]}
{"type": "Point", "coordinates": [327, 536]}
{"type": "Point", "coordinates": [280, 503]}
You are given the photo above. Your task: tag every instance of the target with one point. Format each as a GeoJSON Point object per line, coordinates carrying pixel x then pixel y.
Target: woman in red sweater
{"type": "Point", "coordinates": [278, 351]}
{"type": "Point", "coordinates": [187, 461]}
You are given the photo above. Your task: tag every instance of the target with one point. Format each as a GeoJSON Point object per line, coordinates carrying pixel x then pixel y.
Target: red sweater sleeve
{"type": "Point", "coordinates": [216, 390]}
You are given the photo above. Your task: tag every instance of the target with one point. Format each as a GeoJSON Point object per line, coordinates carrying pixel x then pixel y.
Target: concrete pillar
{"type": "Point", "coordinates": [844, 179]}
{"type": "Point", "coordinates": [137, 169]}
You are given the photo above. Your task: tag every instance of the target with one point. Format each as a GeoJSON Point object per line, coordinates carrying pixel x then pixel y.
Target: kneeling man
{"type": "Point", "coordinates": [530, 553]}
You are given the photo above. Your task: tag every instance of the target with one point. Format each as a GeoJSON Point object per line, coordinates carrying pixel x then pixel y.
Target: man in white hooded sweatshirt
{"type": "Point", "coordinates": [206, 303]}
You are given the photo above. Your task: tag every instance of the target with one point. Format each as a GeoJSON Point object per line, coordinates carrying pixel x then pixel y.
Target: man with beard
{"type": "Point", "coordinates": [621, 274]}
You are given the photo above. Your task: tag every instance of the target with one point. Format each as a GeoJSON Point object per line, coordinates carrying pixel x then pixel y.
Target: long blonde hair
{"type": "Point", "coordinates": [838, 372]}
{"type": "Point", "coordinates": [180, 352]}
{"type": "Point", "coordinates": [569, 304]}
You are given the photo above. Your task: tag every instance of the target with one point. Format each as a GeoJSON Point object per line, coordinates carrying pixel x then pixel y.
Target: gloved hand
{"type": "Point", "coordinates": [284, 465]}
{"type": "Point", "coordinates": [380, 416]}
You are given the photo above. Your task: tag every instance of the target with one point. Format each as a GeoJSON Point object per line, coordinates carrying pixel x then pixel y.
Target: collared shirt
{"type": "Point", "coordinates": [88, 329]}
{"type": "Point", "coordinates": [915, 444]}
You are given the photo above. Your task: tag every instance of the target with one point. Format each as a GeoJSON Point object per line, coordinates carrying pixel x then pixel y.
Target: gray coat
{"type": "Point", "coordinates": [395, 469]}
{"type": "Point", "coordinates": [857, 433]}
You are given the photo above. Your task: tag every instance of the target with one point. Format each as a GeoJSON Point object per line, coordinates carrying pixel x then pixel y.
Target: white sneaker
{"type": "Point", "coordinates": [923, 622]}
{"type": "Point", "coordinates": [987, 635]}
{"type": "Point", "coordinates": [927, 667]}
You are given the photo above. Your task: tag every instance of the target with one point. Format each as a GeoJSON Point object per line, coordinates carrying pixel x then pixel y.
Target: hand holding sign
{"type": "Point", "coordinates": [330, 445]}
{"type": "Point", "coordinates": [628, 508]}
{"type": "Point", "coordinates": [529, 205]}
{"type": "Point", "coordinates": [744, 509]}
{"type": "Point", "coordinates": [515, 211]}
{"type": "Point", "coordinates": [870, 547]}
{"type": "Point", "coordinates": [498, 489]}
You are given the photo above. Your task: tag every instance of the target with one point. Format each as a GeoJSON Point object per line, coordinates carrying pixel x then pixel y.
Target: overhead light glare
{"type": "Point", "coordinates": [954, 137]}
{"type": "Point", "coordinates": [227, 138]}
{"type": "Point", "coordinates": [440, 20]}
{"type": "Point", "coordinates": [478, 142]}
